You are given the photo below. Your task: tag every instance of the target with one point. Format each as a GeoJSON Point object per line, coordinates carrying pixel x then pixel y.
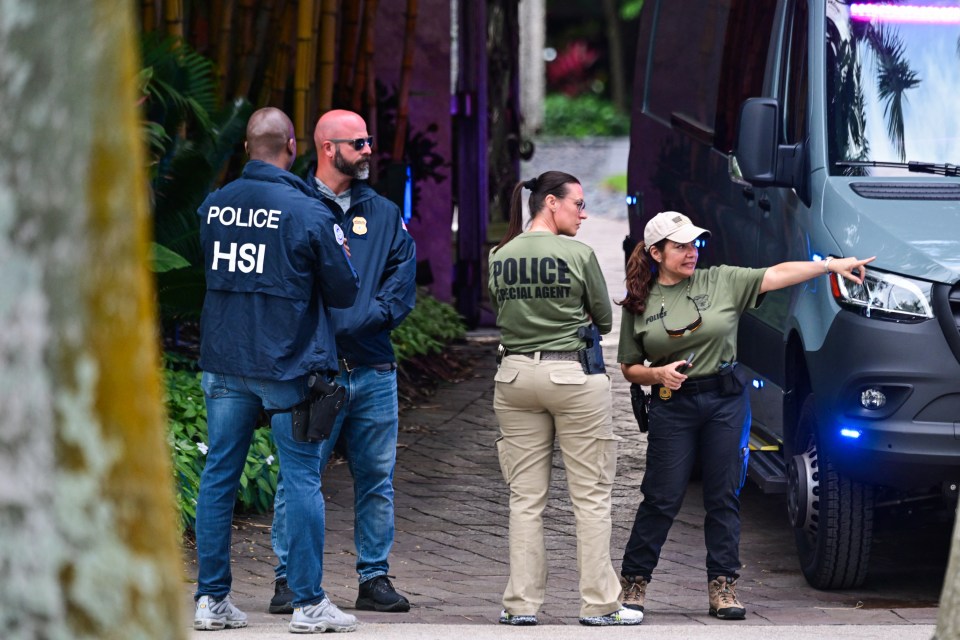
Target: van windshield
{"type": "Point", "coordinates": [893, 77]}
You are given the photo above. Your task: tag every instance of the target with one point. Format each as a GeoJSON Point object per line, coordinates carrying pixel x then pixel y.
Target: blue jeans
{"type": "Point", "coordinates": [233, 405]}
{"type": "Point", "coordinates": [368, 422]}
{"type": "Point", "coordinates": [718, 428]}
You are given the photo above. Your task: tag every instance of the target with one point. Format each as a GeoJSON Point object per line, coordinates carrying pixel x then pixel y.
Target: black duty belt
{"type": "Point", "coordinates": [692, 386]}
{"type": "Point", "coordinates": [572, 356]}
{"type": "Point", "coordinates": [346, 366]}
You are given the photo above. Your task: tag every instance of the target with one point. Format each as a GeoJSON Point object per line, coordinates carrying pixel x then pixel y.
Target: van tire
{"type": "Point", "coordinates": [834, 544]}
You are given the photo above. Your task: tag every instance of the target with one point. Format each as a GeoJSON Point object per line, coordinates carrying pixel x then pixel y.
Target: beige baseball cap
{"type": "Point", "coordinates": [673, 226]}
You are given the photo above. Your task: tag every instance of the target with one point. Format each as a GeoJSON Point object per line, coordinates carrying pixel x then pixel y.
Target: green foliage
{"type": "Point", "coordinates": [429, 326]}
{"type": "Point", "coordinates": [187, 422]}
{"type": "Point", "coordinates": [166, 260]}
{"type": "Point", "coordinates": [179, 89]}
{"type": "Point", "coordinates": [616, 182]}
{"type": "Point", "coordinates": [582, 116]}
{"type": "Point", "coordinates": [630, 9]}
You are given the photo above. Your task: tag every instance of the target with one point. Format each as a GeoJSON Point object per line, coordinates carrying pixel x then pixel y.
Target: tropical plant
{"type": "Point", "coordinates": [585, 115]}
{"type": "Point", "coordinates": [427, 329]}
{"type": "Point", "coordinates": [894, 79]}
{"type": "Point", "coordinates": [187, 434]}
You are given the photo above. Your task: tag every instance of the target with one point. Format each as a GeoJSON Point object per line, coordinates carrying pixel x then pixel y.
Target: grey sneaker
{"type": "Point", "coordinates": [723, 599]}
{"type": "Point", "coordinates": [213, 614]}
{"type": "Point", "coordinates": [622, 616]}
{"type": "Point", "coordinates": [321, 617]}
{"type": "Point", "coordinates": [524, 620]}
{"type": "Point", "coordinates": [634, 592]}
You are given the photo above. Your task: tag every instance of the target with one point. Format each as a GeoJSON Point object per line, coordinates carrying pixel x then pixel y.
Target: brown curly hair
{"type": "Point", "coordinates": [641, 272]}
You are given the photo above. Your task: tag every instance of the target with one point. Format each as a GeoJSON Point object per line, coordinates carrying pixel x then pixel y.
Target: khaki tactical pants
{"type": "Point", "coordinates": [535, 401]}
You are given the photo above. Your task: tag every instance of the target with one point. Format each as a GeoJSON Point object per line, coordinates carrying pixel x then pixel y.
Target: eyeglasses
{"type": "Point", "coordinates": [678, 333]}
{"type": "Point", "coordinates": [356, 142]}
{"type": "Point", "coordinates": [580, 205]}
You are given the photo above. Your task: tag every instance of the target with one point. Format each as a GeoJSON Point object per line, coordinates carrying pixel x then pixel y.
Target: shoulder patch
{"type": "Point", "coordinates": [338, 233]}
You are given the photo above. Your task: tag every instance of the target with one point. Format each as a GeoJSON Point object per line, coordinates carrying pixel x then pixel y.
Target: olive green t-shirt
{"type": "Point", "coordinates": [719, 294]}
{"type": "Point", "coordinates": [544, 287]}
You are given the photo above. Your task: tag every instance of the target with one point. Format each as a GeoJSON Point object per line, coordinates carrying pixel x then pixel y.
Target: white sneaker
{"type": "Point", "coordinates": [213, 614]}
{"type": "Point", "coordinates": [320, 617]}
{"type": "Point", "coordinates": [623, 616]}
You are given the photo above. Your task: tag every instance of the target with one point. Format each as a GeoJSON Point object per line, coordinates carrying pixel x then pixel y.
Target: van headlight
{"type": "Point", "coordinates": [885, 296]}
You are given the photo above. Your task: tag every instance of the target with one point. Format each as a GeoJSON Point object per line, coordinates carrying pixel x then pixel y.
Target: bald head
{"type": "Point", "coordinates": [338, 124]}
{"type": "Point", "coordinates": [271, 138]}
{"type": "Point", "coordinates": [339, 160]}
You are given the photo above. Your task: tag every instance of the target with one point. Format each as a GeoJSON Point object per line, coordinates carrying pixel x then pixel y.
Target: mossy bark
{"type": "Point", "coordinates": [948, 617]}
{"type": "Point", "coordinates": [88, 545]}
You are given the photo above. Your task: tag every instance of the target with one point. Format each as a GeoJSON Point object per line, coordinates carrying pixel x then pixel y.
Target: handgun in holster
{"type": "Point", "coordinates": [314, 417]}
{"type": "Point", "coordinates": [640, 402]}
{"type": "Point", "coordinates": [591, 358]}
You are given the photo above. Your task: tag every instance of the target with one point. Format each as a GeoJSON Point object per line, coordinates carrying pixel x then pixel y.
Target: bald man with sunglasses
{"type": "Point", "coordinates": [383, 254]}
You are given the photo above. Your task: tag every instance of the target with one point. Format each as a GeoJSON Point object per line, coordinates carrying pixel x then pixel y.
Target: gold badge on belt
{"type": "Point", "coordinates": [665, 393]}
{"type": "Point", "coordinates": [360, 226]}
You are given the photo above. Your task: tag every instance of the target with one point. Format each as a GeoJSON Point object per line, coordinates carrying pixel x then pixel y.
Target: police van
{"type": "Point", "coordinates": [799, 130]}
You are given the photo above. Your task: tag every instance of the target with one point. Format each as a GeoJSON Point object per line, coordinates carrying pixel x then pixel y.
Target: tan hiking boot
{"type": "Point", "coordinates": [634, 592]}
{"type": "Point", "coordinates": [723, 599]}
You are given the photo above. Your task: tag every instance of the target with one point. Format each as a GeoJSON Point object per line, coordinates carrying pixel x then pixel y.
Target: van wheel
{"type": "Point", "coordinates": [832, 515]}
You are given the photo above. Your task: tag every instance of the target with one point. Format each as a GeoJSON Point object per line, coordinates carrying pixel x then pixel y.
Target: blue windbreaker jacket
{"type": "Point", "coordinates": [384, 254]}
{"type": "Point", "coordinates": [275, 264]}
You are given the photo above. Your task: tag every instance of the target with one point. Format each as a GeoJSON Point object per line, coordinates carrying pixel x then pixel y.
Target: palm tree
{"type": "Point", "coordinates": [894, 78]}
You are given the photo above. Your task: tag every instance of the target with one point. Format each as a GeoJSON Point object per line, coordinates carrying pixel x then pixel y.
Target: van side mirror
{"type": "Point", "coordinates": [762, 160]}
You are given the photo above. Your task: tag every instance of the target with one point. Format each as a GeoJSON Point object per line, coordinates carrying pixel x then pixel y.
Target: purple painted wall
{"type": "Point", "coordinates": [429, 103]}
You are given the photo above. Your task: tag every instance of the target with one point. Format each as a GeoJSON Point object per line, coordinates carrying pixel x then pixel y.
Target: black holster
{"type": "Point", "coordinates": [591, 358]}
{"type": "Point", "coordinates": [314, 417]}
{"type": "Point", "coordinates": [641, 406]}
{"type": "Point", "coordinates": [732, 379]}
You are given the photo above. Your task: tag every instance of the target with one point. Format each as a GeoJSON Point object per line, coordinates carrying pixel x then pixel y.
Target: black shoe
{"type": "Point", "coordinates": [378, 594]}
{"type": "Point", "coordinates": [282, 601]}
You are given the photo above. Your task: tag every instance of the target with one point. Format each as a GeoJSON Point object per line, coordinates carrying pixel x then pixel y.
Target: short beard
{"type": "Point", "coordinates": [359, 170]}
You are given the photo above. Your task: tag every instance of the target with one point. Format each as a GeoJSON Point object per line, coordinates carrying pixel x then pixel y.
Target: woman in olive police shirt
{"type": "Point", "coordinates": [545, 288]}
{"type": "Point", "coordinates": [673, 310]}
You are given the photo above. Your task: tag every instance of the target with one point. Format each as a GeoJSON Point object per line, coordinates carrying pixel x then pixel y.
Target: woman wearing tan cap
{"type": "Point", "coordinates": [678, 334]}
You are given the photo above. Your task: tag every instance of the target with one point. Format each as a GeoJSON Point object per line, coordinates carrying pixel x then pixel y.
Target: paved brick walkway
{"type": "Point", "coordinates": [450, 555]}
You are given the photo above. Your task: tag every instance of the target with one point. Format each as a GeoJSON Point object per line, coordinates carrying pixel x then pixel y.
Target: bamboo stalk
{"type": "Point", "coordinates": [275, 90]}
{"type": "Point", "coordinates": [305, 13]}
{"type": "Point", "coordinates": [328, 47]}
{"type": "Point", "coordinates": [315, 51]}
{"type": "Point", "coordinates": [173, 17]}
{"type": "Point", "coordinates": [148, 15]}
{"type": "Point", "coordinates": [365, 66]}
{"type": "Point", "coordinates": [406, 71]}
{"type": "Point", "coordinates": [268, 23]}
{"type": "Point", "coordinates": [225, 47]}
{"type": "Point", "coordinates": [372, 114]}
{"type": "Point", "coordinates": [349, 44]}
{"type": "Point", "coordinates": [252, 75]}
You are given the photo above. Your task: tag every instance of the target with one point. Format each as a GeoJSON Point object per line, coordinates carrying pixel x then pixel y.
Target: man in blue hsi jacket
{"type": "Point", "coordinates": [383, 253]}
{"type": "Point", "coordinates": [275, 264]}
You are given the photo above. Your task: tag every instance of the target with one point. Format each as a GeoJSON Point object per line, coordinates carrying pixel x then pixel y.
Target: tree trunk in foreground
{"type": "Point", "coordinates": [948, 617]}
{"type": "Point", "coordinates": [88, 538]}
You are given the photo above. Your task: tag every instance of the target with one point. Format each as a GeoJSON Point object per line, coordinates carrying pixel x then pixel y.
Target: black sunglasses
{"type": "Point", "coordinates": [356, 142]}
{"type": "Point", "coordinates": [693, 326]}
